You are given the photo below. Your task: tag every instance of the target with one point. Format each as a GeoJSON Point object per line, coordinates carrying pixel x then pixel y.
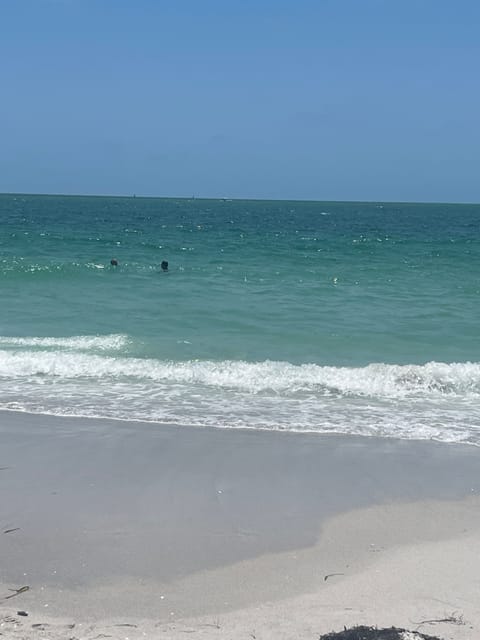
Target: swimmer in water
{"type": "Point", "coordinates": [164, 265]}
{"type": "Point", "coordinates": [114, 262]}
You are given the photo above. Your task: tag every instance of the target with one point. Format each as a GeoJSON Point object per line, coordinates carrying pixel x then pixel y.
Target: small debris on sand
{"type": "Point", "coordinates": [373, 633]}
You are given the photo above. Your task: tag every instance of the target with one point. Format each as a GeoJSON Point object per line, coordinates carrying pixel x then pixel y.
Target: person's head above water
{"type": "Point", "coordinates": [164, 265]}
{"type": "Point", "coordinates": [114, 262]}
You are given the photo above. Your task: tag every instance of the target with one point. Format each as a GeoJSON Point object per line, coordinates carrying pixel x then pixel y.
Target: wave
{"type": "Point", "coordinates": [113, 342]}
{"type": "Point", "coordinates": [93, 376]}
{"type": "Point", "coordinates": [374, 380]}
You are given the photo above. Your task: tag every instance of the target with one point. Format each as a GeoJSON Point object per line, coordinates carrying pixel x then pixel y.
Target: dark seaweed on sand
{"type": "Point", "coordinates": [372, 633]}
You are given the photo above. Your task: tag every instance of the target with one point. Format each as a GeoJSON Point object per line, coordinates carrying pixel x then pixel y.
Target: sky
{"type": "Point", "coordinates": [307, 99]}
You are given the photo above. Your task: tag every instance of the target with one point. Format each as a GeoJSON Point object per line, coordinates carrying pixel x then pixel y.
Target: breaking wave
{"type": "Point", "coordinates": [93, 376]}
{"type": "Point", "coordinates": [374, 381]}
{"type": "Point", "coordinates": [74, 343]}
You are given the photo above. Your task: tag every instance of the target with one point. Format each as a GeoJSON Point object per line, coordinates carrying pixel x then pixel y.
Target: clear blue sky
{"type": "Point", "coordinates": [313, 99]}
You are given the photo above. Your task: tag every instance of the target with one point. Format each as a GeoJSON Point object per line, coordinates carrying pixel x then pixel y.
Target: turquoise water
{"type": "Point", "coordinates": [345, 317]}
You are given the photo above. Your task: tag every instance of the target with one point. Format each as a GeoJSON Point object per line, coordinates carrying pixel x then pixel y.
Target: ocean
{"type": "Point", "coordinates": [328, 317]}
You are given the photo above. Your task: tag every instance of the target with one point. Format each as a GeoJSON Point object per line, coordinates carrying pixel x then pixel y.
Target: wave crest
{"type": "Point", "coordinates": [374, 380]}
{"type": "Point", "coordinates": [94, 376]}
{"type": "Point", "coordinates": [113, 342]}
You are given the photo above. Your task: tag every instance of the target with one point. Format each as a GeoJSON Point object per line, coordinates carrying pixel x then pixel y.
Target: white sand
{"type": "Point", "coordinates": [240, 543]}
{"type": "Point", "coordinates": [385, 583]}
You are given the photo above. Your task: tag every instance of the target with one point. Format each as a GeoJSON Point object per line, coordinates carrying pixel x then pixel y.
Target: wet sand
{"type": "Point", "coordinates": [183, 530]}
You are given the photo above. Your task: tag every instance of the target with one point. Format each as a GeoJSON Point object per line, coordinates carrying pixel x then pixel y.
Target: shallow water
{"type": "Point", "coordinates": [347, 317]}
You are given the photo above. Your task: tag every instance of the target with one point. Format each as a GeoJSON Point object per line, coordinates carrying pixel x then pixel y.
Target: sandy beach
{"type": "Point", "coordinates": [129, 530]}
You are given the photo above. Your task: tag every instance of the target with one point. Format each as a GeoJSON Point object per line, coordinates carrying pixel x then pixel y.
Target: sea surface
{"type": "Point", "coordinates": [359, 318]}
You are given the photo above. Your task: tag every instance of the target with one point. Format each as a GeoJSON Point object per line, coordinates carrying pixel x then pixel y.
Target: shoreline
{"type": "Point", "coordinates": [245, 429]}
{"type": "Point", "coordinates": [134, 521]}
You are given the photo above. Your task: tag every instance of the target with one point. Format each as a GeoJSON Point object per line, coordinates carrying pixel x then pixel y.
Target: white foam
{"type": "Point", "coordinates": [433, 401]}
{"type": "Point", "coordinates": [434, 379]}
{"type": "Point", "coordinates": [111, 342]}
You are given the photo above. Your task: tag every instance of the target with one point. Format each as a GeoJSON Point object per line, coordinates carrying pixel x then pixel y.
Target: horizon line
{"type": "Point", "coordinates": [134, 196]}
